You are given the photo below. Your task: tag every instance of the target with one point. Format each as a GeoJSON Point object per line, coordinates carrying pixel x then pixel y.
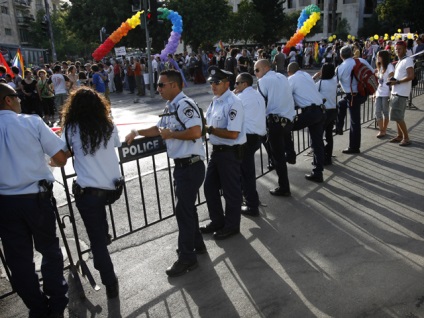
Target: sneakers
{"type": "Point", "coordinates": [180, 268]}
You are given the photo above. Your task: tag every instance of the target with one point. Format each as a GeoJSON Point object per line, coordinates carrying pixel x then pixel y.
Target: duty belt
{"type": "Point", "coordinates": [184, 162]}
{"type": "Point", "coordinates": [272, 118]}
{"type": "Point", "coordinates": [221, 148]}
{"type": "Point", "coordinates": [312, 107]}
{"type": "Point", "coordinates": [39, 195]}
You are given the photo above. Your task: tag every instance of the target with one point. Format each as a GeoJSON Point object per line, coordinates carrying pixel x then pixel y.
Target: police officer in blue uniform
{"type": "Point", "coordinates": [225, 118]}
{"type": "Point", "coordinates": [307, 97]}
{"type": "Point", "coordinates": [254, 119]}
{"type": "Point", "coordinates": [92, 137]}
{"type": "Point", "coordinates": [181, 128]}
{"type": "Point", "coordinates": [27, 211]}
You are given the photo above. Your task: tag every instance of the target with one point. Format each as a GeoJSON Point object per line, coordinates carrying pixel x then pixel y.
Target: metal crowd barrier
{"type": "Point", "coordinates": [142, 210]}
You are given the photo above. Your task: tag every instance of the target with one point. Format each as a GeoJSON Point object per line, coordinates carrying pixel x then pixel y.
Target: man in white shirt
{"type": "Point", "coordinates": [401, 88]}
{"type": "Point", "coordinates": [254, 120]}
{"type": "Point", "coordinates": [307, 97]}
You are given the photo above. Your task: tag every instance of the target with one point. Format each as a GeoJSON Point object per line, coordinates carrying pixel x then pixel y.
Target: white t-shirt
{"type": "Point", "coordinates": [383, 90]}
{"type": "Point", "coordinates": [403, 89]}
{"type": "Point", "coordinates": [305, 93]}
{"type": "Point", "coordinates": [59, 83]}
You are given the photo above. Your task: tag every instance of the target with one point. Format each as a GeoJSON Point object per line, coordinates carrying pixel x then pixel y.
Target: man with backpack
{"type": "Point", "coordinates": [352, 99]}
{"type": "Point", "coordinates": [181, 127]}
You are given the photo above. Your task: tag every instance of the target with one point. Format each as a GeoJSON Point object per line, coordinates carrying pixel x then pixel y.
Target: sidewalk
{"type": "Point", "coordinates": [350, 247]}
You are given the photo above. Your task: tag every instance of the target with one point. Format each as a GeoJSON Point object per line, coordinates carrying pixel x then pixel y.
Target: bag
{"type": "Point", "coordinates": [367, 80]}
{"type": "Point", "coordinates": [114, 195]}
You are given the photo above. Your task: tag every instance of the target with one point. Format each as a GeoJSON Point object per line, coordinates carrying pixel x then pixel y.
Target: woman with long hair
{"type": "Point", "coordinates": [384, 72]}
{"type": "Point", "coordinates": [91, 136]}
{"type": "Point", "coordinates": [31, 103]}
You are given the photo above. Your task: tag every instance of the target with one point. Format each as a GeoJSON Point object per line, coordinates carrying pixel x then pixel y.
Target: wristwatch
{"type": "Point", "coordinates": [210, 130]}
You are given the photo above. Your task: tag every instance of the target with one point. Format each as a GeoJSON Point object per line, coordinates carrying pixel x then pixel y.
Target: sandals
{"type": "Point", "coordinates": [404, 143]}
{"type": "Point", "coordinates": [396, 139]}
{"type": "Point", "coordinates": [381, 135]}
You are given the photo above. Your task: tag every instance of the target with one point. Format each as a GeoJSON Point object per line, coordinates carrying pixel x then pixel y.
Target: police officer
{"type": "Point", "coordinates": [307, 97]}
{"type": "Point", "coordinates": [181, 127]}
{"type": "Point", "coordinates": [225, 117]}
{"type": "Point", "coordinates": [27, 211]}
{"type": "Point", "coordinates": [280, 112]}
{"type": "Point", "coordinates": [92, 137]}
{"type": "Point", "coordinates": [351, 100]}
{"type": "Point", "coordinates": [254, 119]}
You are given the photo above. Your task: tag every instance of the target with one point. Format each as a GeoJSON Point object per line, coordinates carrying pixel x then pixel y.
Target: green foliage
{"type": "Point", "coordinates": [273, 19]}
{"type": "Point", "coordinates": [398, 14]}
{"type": "Point", "coordinates": [204, 21]}
{"type": "Point", "coordinates": [245, 24]}
{"type": "Point", "coordinates": [371, 26]}
{"type": "Point", "coordinates": [342, 29]}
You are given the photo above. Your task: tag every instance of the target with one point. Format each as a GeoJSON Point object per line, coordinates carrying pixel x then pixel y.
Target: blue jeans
{"type": "Point", "coordinates": [22, 222]}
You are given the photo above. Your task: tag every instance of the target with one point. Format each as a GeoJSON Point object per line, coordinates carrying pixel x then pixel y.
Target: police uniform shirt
{"type": "Point", "coordinates": [402, 89]}
{"type": "Point", "coordinates": [100, 169]}
{"type": "Point", "coordinates": [328, 90]}
{"type": "Point", "coordinates": [254, 111]}
{"type": "Point", "coordinates": [344, 75]}
{"type": "Point", "coordinates": [276, 88]}
{"type": "Point", "coordinates": [226, 111]}
{"type": "Point", "coordinates": [24, 141]}
{"type": "Point", "coordinates": [176, 148]}
{"type": "Point", "coordinates": [305, 93]}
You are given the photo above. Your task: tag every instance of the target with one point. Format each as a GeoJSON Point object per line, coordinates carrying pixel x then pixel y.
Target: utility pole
{"type": "Point", "coordinates": [46, 4]}
{"type": "Point", "coordinates": [149, 61]}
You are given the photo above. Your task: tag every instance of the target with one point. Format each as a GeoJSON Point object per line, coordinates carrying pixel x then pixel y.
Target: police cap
{"type": "Point", "coordinates": [216, 74]}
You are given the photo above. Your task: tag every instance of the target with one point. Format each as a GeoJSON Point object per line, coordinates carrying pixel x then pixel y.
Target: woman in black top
{"type": "Point", "coordinates": [31, 103]}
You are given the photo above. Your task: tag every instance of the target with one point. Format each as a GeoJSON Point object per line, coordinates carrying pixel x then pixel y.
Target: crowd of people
{"type": "Point", "coordinates": [238, 119]}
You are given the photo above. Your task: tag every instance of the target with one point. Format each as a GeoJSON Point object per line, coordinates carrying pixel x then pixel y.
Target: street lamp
{"type": "Point", "coordinates": [102, 31]}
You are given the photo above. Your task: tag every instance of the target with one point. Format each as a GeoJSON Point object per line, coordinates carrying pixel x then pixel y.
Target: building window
{"type": "Point", "coordinates": [320, 4]}
{"type": "Point", "coordinates": [4, 10]}
{"type": "Point", "coordinates": [8, 31]}
{"type": "Point", "coordinates": [304, 3]}
{"type": "Point", "coordinates": [349, 1]}
{"type": "Point", "coordinates": [290, 4]}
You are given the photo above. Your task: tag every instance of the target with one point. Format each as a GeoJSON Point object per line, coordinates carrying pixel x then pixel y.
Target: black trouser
{"type": "Point", "coordinates": [224, 173]}
{"type": "Point", "coordinates": [331, 116]}
{"type": "Point", "coordinates": [277, 137]}
{"type": "Point", "coordinates": [131, 83]}
{"type": "Point", "coordinates": [313, 118]}
{"type": "Point", "coordinates": [187, 181]}
{"type": "Point", "coordinates": [248, 174]}
{"type": "Point", "coordinates": [118, 83]}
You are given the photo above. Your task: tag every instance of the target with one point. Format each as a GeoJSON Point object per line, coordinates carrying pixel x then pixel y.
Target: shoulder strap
{"type": "Point", "coordinates": [265, 97]}
{"type": "Point", "coordinates": [319, 87]}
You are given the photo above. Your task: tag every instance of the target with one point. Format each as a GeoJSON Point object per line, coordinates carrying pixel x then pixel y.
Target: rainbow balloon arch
{"type": "Point", "coordinates": [307, 20]}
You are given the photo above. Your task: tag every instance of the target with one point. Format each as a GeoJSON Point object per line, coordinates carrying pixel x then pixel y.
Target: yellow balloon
{"type": "Point", "coordinates": [410, 36]}
{"type": "Point", "coordinates": [386, 35]}
{"type": "Point", "coordinates": [399, 30]}
{"type": "Point", "coordinates": [392, 37]}
{"type": "Point", "coordinates": [376, 37]}
{"type": "Point", "coordinates": [330, 39]}
{"type": "Point", "coordinates": [349, 36]}
{"type": "Point", "coordinates": [353, 38]}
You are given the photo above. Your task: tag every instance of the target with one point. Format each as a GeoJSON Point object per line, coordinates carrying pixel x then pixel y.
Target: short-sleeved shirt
{"type": "Point", "coordinates": [305, 93]}
{"type": "Point", "coordinates": [99, 170]}
{"type": "Point", "coordinates": [59, 83]}
{"type": "Point", "coordinates": [278, 93]}
{"type": "Point", "coordinates": [98, 83]}
{"type": "Point", "coordinates": [226, 111]}
{"type": "Point", "coordinates": [254, 111]}
{"type": "Point", "coordinates": [383, 90]}
{"type": "Point", "coordinates": [244, 63]}
{"type": "Point", "coordinates": [403, 89]}
{"type": "Point", "coordinates": [344, 75]}
{"type": "Point", "coordinates": [190, 117]}
{"type": "Point", "coordinates": [25, 140]}
{"type": "Point", "coordinates": [328, 90]}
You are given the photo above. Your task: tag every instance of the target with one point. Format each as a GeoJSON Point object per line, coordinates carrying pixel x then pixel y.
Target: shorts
{"type": "Point", "coordinates": [397, 108]}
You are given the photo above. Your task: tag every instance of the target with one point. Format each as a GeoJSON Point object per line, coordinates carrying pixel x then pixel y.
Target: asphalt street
{"type": "Point", "coordinates": [349, 247]}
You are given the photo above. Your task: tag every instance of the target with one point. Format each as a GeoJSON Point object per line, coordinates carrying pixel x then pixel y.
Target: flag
{"type": "Point", "coordinates": [316, 51]}
{"type": "Point", "coordinates": [221, 46]}
{"type": "Point", "coordinates": [18, 61]}
{"type": "Point", "coordinates": [4, 63]}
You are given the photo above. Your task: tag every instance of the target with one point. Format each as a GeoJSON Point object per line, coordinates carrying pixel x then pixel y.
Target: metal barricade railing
{"type": "Point", "coordinates": [140, 213]}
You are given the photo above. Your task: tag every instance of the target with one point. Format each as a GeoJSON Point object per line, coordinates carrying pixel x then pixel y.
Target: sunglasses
{"type": "Point", "coordinates": [163, 84]}
{"type": "Point", "coordinates": [11, 95]}
{"type": "Point", "coordinates": [237, 83]}
{"type": "Point", "coordinates": [215, 82]}
{"type": "Point", "coordinates": [256, 70]}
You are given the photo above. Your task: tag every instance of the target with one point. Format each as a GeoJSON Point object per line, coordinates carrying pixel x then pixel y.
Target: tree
{"type": "Point", "coordinates": [399, 14]}
{"type": "Point", "coordinates": [240, 26]}
{"type": "Point", "coordinates": [371, 26]}
{"type": "Point", "coordinates": [342, 29]}
{"type": "Point", "coordinates": [204, 21]}
{"type": "Point", "coordinates": [273, 19]}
